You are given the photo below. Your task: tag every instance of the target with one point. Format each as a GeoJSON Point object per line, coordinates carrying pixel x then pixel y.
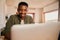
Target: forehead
{"type": "Point", "coordinates": [23, 7]}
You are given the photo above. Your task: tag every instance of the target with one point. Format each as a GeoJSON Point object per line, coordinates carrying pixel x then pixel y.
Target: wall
{"type": "Point", "coordinates": [2, 13]}
{"type": "Point", "coordinates": [52, 6]}
{"type": "Point", "coordinates": [59, 13]}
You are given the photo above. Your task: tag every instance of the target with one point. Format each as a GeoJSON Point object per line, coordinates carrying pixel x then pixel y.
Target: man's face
{"type": "Point", "coordinates": [23, 10]}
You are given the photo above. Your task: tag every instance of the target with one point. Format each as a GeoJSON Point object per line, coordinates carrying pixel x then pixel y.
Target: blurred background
{"type": "Point", "coordinates": [40, 10]}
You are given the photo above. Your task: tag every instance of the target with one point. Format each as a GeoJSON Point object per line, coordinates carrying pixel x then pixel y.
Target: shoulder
{"type": "Point", "coordinates": [13, 16]}
{"type": "Point", "coordinates": [28, 16]}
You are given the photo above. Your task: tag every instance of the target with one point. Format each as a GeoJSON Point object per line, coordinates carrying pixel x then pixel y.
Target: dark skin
{"type": "Point", "coordinates": [22, 11]}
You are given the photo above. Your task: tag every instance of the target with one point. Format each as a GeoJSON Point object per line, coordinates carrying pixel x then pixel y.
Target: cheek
{"type": "Point", "coordinates": [19, 11]}
{"type": "Point", "coordinates": [22, 11]}
{"type": "Point", "coordinates": [25, 11]}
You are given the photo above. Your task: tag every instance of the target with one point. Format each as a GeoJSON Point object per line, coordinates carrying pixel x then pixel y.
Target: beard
{"type": "Point", "coordinates": [22, 15]}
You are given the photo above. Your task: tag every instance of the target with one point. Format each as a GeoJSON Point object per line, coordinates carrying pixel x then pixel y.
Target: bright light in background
{"type": "Point", "coordinates": [51, 16]}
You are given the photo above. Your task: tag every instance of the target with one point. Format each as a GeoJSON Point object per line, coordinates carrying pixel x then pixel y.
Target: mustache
{"type": "Point", "coordinates": [20, 14]}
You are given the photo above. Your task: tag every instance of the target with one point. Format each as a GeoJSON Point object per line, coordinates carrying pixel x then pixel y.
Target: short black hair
{"type": "Point", "coordinates": [22, 3]}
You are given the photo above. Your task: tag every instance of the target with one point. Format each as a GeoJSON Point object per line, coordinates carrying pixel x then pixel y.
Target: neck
{"type": "Point", "coordinates": [22, 18]}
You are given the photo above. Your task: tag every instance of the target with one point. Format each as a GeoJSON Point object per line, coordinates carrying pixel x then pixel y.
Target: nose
{"type": "Point", "coordinates": [23, 12]}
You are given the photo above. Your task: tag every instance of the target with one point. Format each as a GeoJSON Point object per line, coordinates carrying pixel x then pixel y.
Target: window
{"type": "Point", "coordinates": [51, 16]}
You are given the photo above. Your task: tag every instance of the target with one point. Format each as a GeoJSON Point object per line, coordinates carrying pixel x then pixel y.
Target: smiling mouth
{"type": "Point", "coordinates": [23, 15]}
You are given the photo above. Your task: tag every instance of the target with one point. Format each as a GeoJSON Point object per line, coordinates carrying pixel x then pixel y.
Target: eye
{"type": "Point", "coordinates": [20, 9]}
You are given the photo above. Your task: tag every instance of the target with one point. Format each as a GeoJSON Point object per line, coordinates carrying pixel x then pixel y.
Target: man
{"type": "Point", "coordinates": [20, 18]}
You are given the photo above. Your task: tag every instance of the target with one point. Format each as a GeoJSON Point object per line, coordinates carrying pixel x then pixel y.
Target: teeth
{"type": "Point", "coordinates": [22, 15]}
